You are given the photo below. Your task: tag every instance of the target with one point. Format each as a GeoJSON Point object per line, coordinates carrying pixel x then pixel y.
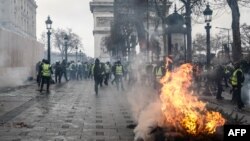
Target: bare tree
{"type": "Point", "coordinates": [42, 38]}
{"type": "Point", "coordinates": [59, 43]}
{"type": "Point", "coordinates": [245, 36]}
{"type": "Point", "coordinates": [217, 42]}
{"type": "Point", "coordinates": [162, 9]}
{"type": "Point", "coordinates": [196, 7]}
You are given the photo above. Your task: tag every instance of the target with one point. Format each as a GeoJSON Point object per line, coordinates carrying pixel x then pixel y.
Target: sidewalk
{"type": "Point", "coordinates": [226, 105]}
{"type": "Point", "coordinates": [71, 112]}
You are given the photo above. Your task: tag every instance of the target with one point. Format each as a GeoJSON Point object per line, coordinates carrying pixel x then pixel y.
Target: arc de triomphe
{"type": "Point", "coordinates": [103, 16]}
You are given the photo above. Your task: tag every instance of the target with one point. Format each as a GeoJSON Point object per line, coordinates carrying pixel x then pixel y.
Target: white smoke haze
{"type": "Point", "coordinates": [11, 76]}
{"type": "Point", "coordinates": [145, 106]}
{"type": "Point", "coordinates": [18, 57]}
{"type": "Point", "coordinates": [245, 93]}
{"type": "Point", "coordinates": [3, 57]}
{"type": "Point", "coordinates": [146, 111]}
{"type": "Point", "coordinates": [14, 76]}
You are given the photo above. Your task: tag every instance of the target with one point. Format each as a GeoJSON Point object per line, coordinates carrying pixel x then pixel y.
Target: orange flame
{"type": "Point", "coordinates": [182, 109]}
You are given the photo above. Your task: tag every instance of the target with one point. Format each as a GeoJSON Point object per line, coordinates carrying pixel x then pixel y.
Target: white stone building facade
{"type": "Point", "coordinates": [103, 16]}
{"type": "Point", "coordinates": [19, 16]}
{"type": "Point", "coordinates": [19, 49]}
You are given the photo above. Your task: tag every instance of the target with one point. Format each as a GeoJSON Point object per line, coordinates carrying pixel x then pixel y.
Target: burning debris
{"type": "Point", "coordinates": [181, 114]}
{"type": "Point", "coordinates": [182, 109]}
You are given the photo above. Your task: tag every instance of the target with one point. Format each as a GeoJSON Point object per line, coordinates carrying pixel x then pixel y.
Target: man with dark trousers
{"type": "Point", "coordinates": [236, 80]}
{"type": "Point", "coordinates": [58, 72]}
{"type": "Point", "coordinates": [63, 67]}
{"type": "Point", "coordinates": [219, 78]}
{"type": "Point", "coordinates": [96, 71]}
{"type": "Point", "coordinates": [46, 75]}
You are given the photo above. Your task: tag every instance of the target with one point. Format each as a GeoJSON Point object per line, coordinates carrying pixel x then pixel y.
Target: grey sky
{"type": "Point", "coordinates": [75, 14]}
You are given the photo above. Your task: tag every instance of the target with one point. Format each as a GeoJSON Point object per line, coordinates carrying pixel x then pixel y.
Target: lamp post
{"type": "Point", "coordinates": [80, 55]}
{"type": "Point", "coordinates": [208, 18]}
{"type": "Point", "coordinates": [76, 52]}
{"type": "Point", "coordinates": [66, 38]}
{"type": "Point", "coordinates": [228, 37]}
{"type": "Point", "coordinates": [48, 23]}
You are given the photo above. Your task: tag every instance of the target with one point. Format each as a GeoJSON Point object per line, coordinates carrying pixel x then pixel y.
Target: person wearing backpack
{"type": "Point", "coordinates": [237, 80]}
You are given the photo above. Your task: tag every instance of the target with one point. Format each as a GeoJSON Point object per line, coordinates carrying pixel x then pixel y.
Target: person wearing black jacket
{"type": "Point", "coordinates": [219, 78]}
{"type": "Point", "coordinates": [63, 67]}
{"type": "Point", "coordinates": [97, 72]}
{"type": "Point", "coordinates": [58, 71]}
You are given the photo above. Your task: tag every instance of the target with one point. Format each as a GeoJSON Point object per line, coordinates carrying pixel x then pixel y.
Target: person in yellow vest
{"type": "Point", "coordinates": [46, 75]}
{"type": "Point", "coordinates": [158, 71]}
{"type": "Point", "coordinates": [119, 71]}
{"type": "Point", "coordinates": [236, 81]}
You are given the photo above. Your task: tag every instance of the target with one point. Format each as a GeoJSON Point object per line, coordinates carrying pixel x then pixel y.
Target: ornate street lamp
{"type": "Point", "coordinates": [208, 18]}
{"type": "Point", "coordinates": [48, 25]}
{"type": "Point", "coordinates": [76, 52]}
{"type": "Point", "coordinates": [66, 39]}
{"type": "Point", "coordinates": [80, 55]}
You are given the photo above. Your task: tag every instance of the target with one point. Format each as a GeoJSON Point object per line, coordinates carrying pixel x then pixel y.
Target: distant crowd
{"type": "Point", "coordinates": [216, 77]}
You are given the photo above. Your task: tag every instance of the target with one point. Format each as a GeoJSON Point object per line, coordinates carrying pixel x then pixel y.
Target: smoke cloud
{"type": "Point", "coordinates": [14, 76]}
{"type": "Point", "coordinates": [245, 94]}
{"type": "Point", "coordinates": [146, 110]}
{"type": "Point", "coordinates": [144, 103]}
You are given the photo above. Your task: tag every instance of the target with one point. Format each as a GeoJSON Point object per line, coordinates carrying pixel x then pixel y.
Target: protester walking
{"type": "Point", "coordinates": [63, 71]}
{"type": "Point", "coordinates": [119, 71]}
{"type": "Point", "coordinates": [96, 71]}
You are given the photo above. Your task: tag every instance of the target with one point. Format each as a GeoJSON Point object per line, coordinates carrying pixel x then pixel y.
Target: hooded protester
{"type": "Point", "coordinates": [63, 67]}
{"type": "Point", "coordinates": [39, 72]}
{"type": "Point", "coordinates": [96, 71]}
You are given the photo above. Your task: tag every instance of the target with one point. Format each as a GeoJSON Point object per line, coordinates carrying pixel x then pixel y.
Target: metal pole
{"type": "Point", "coordinates": [185, 48]}
{"type": "Point", "coordinates": [208, 27]}
{"type": "Point", "coordinates": [228, 44]}
{"type": "Point", "coordinates": [66, 54]}
{"type": "Point", "coordinates": [228, 36]}
{"type": "Point", "coordinates": [228, 39]}
{"type": "Point", "coordinates": [49, 33]}
{"type": "Point", "coordinates": [189, 30]}
{"type": "Point", "coordinates": [147, 33]}
{"type": "Point", "coordinates": [76, 52]}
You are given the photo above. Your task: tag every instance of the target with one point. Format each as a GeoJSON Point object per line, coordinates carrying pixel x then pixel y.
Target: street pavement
{"type": "Point", "coordinates": [71, 112]}
{"type": "Point", "coordinates": [226, 105]}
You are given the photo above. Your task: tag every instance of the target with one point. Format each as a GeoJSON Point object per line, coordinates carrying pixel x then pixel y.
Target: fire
{"type": "Point", "coordinates": [182, 109]}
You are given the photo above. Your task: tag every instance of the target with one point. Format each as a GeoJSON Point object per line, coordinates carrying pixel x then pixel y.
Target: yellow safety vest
{"type": "Point", "coordinates": [234, 80]}
{"type": "Point", "coordinates": [158, 73]}
{"type": "Point", "coordinates": [118, 70]}
{"type": "Point", "coordinates": [107, 68]}
{"type": "Point", "coordinates": [46, 70]}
